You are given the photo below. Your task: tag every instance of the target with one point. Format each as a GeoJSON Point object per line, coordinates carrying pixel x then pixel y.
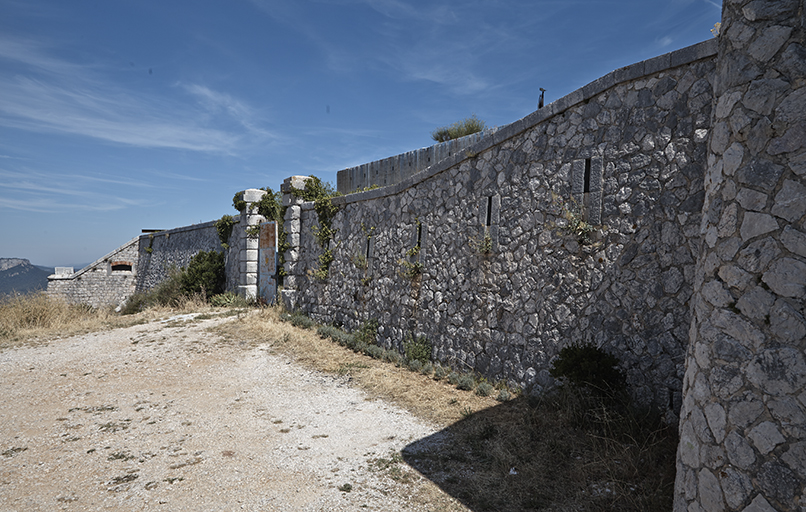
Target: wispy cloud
{"type": "Point", "coordinates": [30, 190]}
{"type": "Point", "coordinates": [45, 94]}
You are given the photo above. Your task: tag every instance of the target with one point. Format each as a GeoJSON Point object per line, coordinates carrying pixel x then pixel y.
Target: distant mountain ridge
{"type": "Point", "coordinates": [18, 275]}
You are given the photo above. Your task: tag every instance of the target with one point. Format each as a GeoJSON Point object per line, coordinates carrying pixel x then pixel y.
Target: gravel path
{"type": "Point", "coordinates": [167, 416]}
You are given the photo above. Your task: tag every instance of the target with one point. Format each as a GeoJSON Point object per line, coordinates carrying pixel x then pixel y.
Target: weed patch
{"type": "Point", "coordinates": [417, 348]}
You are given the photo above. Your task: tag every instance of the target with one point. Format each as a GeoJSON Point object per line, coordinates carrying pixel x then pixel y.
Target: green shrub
{"type": "Point", "coordinates": [458, 129]}
{"type": "Point", "coordinates": [440, 372]}
{"type": "Point", "coordinates": [343, 339]}
{"type": "Point", "coordinates": [484, 389]}
{"type": "Point", "coordinates": [298, 319]}
{"type": "Point", "coordinates": [374, 351]}
{"type": "Point", "coordinates": [417, 347]}
{"type": "Point", "coordinates": [229, 300]}
{"type": "Point", "coordinates": [503, 395]}
{"type": "Point", "coordinates": [415, 365]}
{"type": "Point", "coordinates": [327, 331]}
{"type": "Point", "coordinates": [167, 293]}
{"type": "Point", "coordinates": [453, 378]}
{"type": "Point", "coordinates": [134, 304]}
{"type": "Point", "coordinates": [588, 366]}
{"type": "Point", "coordinates": [427, 369]}
{"type": "Point", "coordinates": [393, 356]}
{"type": "Point", "coordinates": [466, 382]}
{"type": "Point", "coordinates": [204, 275]}
{"type": "Point", "coordinates": [368, 332]}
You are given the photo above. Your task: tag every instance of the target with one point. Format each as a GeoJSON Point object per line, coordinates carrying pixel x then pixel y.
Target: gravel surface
{"type": "Point", "coordinates": [168, 416]}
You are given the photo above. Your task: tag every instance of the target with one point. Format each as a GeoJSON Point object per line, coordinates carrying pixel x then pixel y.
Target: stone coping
{"type": "Point", "coordinates": [647, 67]}
{"type": "Point", "coordinates": [183, 229]}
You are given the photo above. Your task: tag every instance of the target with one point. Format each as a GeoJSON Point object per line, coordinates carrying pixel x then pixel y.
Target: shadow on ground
{"type": "Point", "coordinates": [528, 455]}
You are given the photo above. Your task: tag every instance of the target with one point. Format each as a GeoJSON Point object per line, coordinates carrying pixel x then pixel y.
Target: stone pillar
{"type": "Point", "coordinates": [743, 420]}
{"type": "Point", "coordinates": [292, 226]}
{"type": "Point", "coordinates": [248, 243]}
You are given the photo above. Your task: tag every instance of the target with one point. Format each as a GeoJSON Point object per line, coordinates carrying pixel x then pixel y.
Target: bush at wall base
{"type": "Point", "coordinates": [205, 274]}
{"type": "Point", "coordinates": [588, 366]}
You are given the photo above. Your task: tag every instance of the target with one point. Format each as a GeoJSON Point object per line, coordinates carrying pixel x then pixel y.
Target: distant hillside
{"type": "Point", "coordinates": [17, 275]}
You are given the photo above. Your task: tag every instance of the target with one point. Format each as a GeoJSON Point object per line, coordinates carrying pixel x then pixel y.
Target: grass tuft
{"type": "Point", "coordinates": [466, 382]}
{"type": "Point", "coordinates": [484, 389]}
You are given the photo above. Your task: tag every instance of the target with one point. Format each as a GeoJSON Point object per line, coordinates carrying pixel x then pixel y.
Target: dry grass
{"type": "Point", "coordinates": [36, 318]}
{"type": "Point", "coordinates": [564, 452]}
{"type": "Point", "coordinates": [434, 401]}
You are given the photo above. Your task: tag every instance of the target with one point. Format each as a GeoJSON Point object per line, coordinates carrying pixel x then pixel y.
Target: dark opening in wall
{"type": "Point", "coordinates": [419, 234]}
{"type": "Point", "coordinates": [489, 220]}
{"type": "Point", "coordinates": [587, 176]}
{"type": "Point", "coordinates": [121, 266]}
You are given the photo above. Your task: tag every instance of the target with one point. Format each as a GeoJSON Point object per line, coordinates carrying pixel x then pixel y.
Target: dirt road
{"type": "Point", "coordinates": [168, 416]}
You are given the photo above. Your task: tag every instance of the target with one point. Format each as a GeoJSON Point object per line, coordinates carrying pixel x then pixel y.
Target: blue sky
{"type": "Point", "coordinates": [121, 115]}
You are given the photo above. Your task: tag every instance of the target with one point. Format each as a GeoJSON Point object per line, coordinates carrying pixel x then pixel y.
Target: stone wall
{"type": "Point", "coordinates": [161, 252]}
{"type": "Point", "coordinates": [627, 151]}
{"type": "Point", "coordinates": [153, 256]}
{"type": "Point", "coordinates": [743, 421]}
{"type": "Point", "coordinates": [107, 281]}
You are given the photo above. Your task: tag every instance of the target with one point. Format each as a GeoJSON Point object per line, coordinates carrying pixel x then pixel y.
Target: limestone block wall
{"type": "Point", "coordinates": [628, 148]}
{"type": "Point", "coordinates": [159, 253]}
{"type": "Point", "coordinates": [743, 421]}
{"type": "Point", "coordinates": [108, 281]}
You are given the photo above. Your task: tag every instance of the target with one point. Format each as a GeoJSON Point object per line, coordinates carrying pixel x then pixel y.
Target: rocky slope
{"type": "Point", "coordinates": [18, 275]}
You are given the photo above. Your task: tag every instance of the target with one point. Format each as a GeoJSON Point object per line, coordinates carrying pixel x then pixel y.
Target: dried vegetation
{"type": "Point", "coordinates": [568, 450]}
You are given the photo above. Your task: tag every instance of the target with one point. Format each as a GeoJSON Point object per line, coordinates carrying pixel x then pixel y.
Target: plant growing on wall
{"type": "Point", "coordinates": [322, 195]}
{"type": "Point", "coordinates": [574, 215]}
{"type": "Point", "coordinates": [417, 348]}
{"type": "Point", "coordinates": [482, 244]}
{"type": "Point", "coordinates": [458, 129]}
{"type": "Point", "coordinates": [224, 227]}
{"type": "Point", "coordinates": [360, 261]}
{"type": "Point", "coordinates": [238, 203]}
{"type": "Point", "coordinates": [412, 269]}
